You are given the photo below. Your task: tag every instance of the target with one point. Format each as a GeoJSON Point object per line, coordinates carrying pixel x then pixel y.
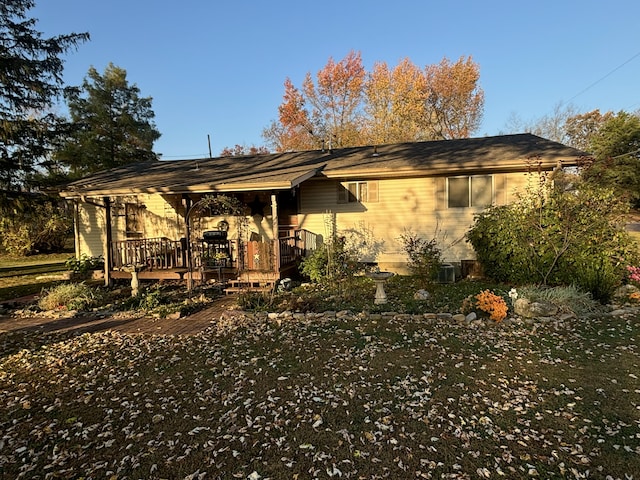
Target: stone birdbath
{"type": "Point", "coordinates": [135, 283]}
{"type": "Point", "coordinates": [379, 278]}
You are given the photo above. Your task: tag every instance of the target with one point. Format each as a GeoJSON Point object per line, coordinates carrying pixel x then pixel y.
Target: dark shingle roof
{"type": "Point", "coordinates": [286, 170]}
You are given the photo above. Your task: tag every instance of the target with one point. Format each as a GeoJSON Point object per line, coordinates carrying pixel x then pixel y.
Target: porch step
{"type": "Point", "coordinates": [236, 286]}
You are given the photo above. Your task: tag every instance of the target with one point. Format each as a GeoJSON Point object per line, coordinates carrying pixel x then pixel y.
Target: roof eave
{"type": "Point", "coordinates": [196, 189]}
{"type": "Point", "coordinates": [441, 169]}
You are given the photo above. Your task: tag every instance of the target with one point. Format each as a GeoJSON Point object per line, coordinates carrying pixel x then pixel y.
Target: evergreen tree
{"type": "Point", "coordinates": [30, 80]}
{"type": "Point", "coordinates": [616, 149]}
{"type": "Point", "coordinates": [113, 124]}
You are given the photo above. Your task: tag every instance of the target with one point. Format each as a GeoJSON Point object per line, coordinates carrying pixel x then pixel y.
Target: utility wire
{"type": "Point", "coordinates": [607, 75]}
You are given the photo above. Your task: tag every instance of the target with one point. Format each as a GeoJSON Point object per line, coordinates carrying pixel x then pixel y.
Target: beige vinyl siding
{"type": "Point", "coordinates": [415, 203]}
{"type": "Point", "coordinates": [401, 203]}
{"type": "Point", "coordinates": [91, 229]}
{"type": "Point", "coordinates": [161, 216]}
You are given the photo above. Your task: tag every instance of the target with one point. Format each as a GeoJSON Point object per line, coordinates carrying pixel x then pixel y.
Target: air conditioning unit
{"type": "Point", "coordinates": [447, 273]}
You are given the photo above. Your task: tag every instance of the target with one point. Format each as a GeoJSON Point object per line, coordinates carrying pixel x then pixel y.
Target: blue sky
{"type": "Point", "coordinates": [217, 67]}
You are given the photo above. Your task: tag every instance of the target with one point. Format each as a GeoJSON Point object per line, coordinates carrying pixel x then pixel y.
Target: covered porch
{"type": "Point", "coordinates": [236, 264]}
{"type": "Point", "coordinates": [163, 220]}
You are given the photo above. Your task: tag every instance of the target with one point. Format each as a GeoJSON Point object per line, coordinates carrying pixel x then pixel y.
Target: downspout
{"type": "Point", "coordinates": [276, 239]}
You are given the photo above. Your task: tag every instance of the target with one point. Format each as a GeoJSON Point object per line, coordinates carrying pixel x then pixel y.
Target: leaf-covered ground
{"type": "Point", "coordinates": [326, 396]}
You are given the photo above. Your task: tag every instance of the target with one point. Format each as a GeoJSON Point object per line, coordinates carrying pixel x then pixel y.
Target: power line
{"type": "Point", "coordinates": [607, 75]}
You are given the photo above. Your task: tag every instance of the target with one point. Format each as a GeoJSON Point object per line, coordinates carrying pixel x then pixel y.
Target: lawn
{"type": "Point", "coordinates": [20, 276]}
{"type": "Point", "coordinates": [343, 395]}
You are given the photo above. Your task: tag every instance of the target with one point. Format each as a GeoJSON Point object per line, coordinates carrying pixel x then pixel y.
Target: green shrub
{"type": "Point", "coordinates": [42, 227]}
{"type": "Point", "coordinates": [330, 261]}
{"type": "Point", "coordinates": [315, 266]}
{"type": "Point", "coordinates": [84, 264]}
{"type": "Point", "coordinates": [556, 236]}
{"type": "Point", "coordinates": [70, 296]}
{"type": "Point", "coordinates": [148, 300]}
{"type": "Point", "coordinates": [424, 256]}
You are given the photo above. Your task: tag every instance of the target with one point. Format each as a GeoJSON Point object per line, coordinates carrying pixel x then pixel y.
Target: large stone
{"type": "Point", "coordinates": [421, 295]}
{"type": "Point", "coordinates": [528, 309]}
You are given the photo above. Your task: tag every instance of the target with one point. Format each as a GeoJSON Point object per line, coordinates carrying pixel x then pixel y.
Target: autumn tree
{"type": "Point", "coordinates": [346, 106]}
{"type": "Point", "coordinates": [30, 81]}
{"type": "Point", "coordinates": [395, 104]}
{"type": "Point", "coordinates": [579, 129]}
{"type": "Point", "coordinates": [294, 130]}
{"type": "Point", "coordinates": [325, 112]}
{"type": "Point", "coordinates": [240, 150]}
{"type": "Point", "coordinates": [336, 99]}
{"type": "Point", "coordinates": [455, 100]}
{"type": "Point", "coordinates": [114, 124]}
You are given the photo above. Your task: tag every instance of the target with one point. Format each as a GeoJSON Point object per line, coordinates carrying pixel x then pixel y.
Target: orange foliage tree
{"type": "Point", "coordinates": [395, 104]}
{"type": "Point", "coordinates": [455, 101]}
{"type": "Point", "coordinates": [346, 106]}
{"type": "Point", "coordinates": [241, 150]}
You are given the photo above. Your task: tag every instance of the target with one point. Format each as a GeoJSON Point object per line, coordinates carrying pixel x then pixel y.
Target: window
{"type": "Point", "coordinates": [133, 220]}
{"type": "Point", "coordinates": [357, 192]}
{"type": "Point", "coordinates": [476, 191]}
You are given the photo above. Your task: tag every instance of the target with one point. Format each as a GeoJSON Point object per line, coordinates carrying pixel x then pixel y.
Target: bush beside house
{"type": "Point", "coordinates": [557, 233]}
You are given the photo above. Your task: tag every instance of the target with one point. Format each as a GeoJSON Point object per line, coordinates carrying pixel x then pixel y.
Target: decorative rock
{"type": "Point", "coordinates": [625, 290]}
{"type": "Point", "coordinates": [444, 316]}
{"type": "Point", "coordinates": [470, 317]}
{"type": "Point", "coordinates": [566, 316]}
{"type": "Point", "coordinates": [430, 316]}
{"type": "Point", "coordinates": [422, 295]}
{"type": "Point", "coordinates": [459, 317]}
{"type": "Point", "coordinates": [528, 309]}
{"type": "Point", "coordinates": [343, 314]}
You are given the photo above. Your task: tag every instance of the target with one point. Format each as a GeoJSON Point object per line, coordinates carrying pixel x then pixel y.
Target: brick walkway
{"type": "Point", "coordinates": [121, 323]}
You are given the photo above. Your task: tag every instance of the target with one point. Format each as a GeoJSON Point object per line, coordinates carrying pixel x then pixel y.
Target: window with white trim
{"type": "Point", "coordinates": [349, 192]}
{"type": "Point", "coordinates": [470, 191]}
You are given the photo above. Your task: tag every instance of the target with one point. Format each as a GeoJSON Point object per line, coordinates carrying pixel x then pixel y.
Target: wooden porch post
{"type": "Point", "coordinates": [186, 200]}
{"type": "Point", "coordinates": [107, 241]}
{"type": "Point", "coordinates": [276, 240]}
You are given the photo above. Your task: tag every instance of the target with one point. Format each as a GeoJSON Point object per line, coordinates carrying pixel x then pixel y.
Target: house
{"type": "Point", "coordinates": [156, 218]}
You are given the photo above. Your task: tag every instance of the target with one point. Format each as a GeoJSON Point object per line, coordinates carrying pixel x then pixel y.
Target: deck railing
{"type": "Point", "coordinates": [153, 253]}
{"type": "Point", "coordinates": [164, 254]}
{"type": "Point", "coordinates": [296, 245]}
